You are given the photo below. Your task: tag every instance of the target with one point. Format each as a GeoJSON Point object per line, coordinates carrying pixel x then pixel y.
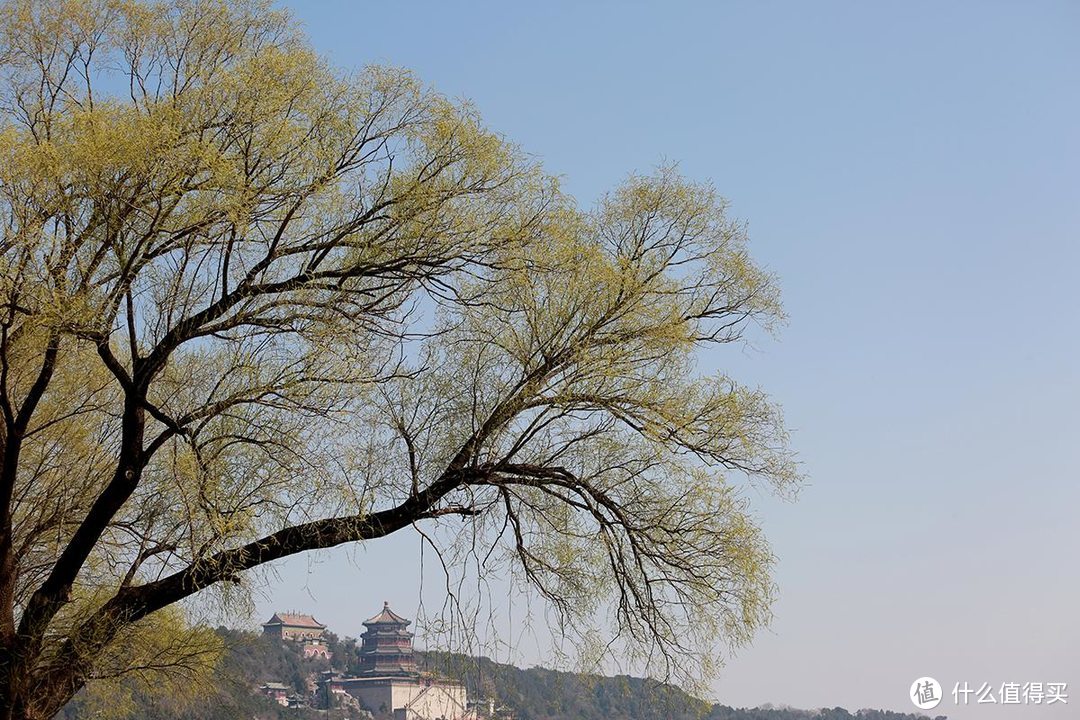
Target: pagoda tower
{"type": "Point", "coordinates": [386, 649]}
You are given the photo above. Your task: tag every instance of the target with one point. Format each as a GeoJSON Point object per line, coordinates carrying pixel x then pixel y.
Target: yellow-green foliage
{"type": "Point", "coordinates": [159, 656]}
{"type": "Point", "coordinates": [614, 458]}
{"type": "Point", "coordinates": [278, 293]}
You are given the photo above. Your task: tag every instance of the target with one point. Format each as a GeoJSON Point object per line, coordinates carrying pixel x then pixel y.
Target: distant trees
{"type": "Point", "coordinates": [248, 660]}
{"type": "Point", "coordinates": [531, 694]}
{"type": "Point", "coordinates": [252, 306]}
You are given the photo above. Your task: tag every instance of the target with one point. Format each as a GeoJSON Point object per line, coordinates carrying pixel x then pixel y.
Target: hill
{"type": "Point", "coordinates": [529, 694]}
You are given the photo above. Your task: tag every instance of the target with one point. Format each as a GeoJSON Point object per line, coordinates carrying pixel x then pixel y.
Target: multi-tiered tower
{"type": "Point", "coordinates": [388, 683]}
{"type": "Point", "coordinates": [386, 648]}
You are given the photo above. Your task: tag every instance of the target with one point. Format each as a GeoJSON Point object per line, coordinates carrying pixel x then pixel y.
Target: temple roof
{"type": "Point", "coordinates": [295, 620]}
{"type": "Point", "coordinates": [387, 617]}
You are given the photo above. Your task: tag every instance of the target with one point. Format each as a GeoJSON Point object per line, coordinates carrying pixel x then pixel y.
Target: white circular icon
{"type": "Point", "coordinates": [925, 693]}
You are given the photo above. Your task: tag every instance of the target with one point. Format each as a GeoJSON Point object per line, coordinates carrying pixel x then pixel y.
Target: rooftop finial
{"type": "Point", "coordinates": [386, 603]}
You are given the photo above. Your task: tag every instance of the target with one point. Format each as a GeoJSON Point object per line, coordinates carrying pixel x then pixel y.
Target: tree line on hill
{"type": "Point", "coordinates": [530, 693]}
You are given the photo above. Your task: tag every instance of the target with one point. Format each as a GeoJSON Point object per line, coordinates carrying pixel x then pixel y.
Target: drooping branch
{"type": "Point", "coordinates": [302, 309]}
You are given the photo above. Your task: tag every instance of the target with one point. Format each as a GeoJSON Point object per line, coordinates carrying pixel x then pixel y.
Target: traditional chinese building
{"type": "Point", "coordinates": [303, 629]}
{"type": "Point", "coordinates": [388, 681]}
{"type": "Point", "coordinates": [293, 626]}
{"type": "Point", "coordinates": [282, 695]}
{"type": "Point", "coordinates": [277, 692]}
{"type": "Point", "coordinates": [386, 646]}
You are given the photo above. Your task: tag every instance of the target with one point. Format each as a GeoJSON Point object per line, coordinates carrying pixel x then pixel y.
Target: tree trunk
{"type": "Point", "coordinates": [24, 697]}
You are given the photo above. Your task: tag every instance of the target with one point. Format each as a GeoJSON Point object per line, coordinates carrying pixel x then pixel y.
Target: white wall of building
{"type": "Point", "coordinates": [413, 700]}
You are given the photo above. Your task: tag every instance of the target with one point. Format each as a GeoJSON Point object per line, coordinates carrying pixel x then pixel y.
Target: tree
{"type": "Point", "coordinates": [252, 306]}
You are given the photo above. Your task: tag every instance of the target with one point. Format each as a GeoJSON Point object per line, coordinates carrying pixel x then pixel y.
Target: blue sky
{"type": "Point", "coordinates": [910, 171]}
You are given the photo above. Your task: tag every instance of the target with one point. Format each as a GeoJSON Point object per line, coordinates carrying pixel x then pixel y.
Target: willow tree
{"type": "Point", "coordinates": [253, 306]}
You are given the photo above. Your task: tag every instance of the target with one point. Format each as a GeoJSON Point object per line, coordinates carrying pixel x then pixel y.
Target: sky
{"type": "Point", "coordinates": [910, 172]}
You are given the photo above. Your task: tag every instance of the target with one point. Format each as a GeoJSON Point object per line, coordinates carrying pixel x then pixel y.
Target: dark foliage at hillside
{"type": "Point", "coordinates": [722, 712]}
{"type": "Point", "coordinates": [532, 694]}
{"type": "Point", "coordinates": [249, 661]}
{"type": "Point", "coordinates": [542, 694]}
